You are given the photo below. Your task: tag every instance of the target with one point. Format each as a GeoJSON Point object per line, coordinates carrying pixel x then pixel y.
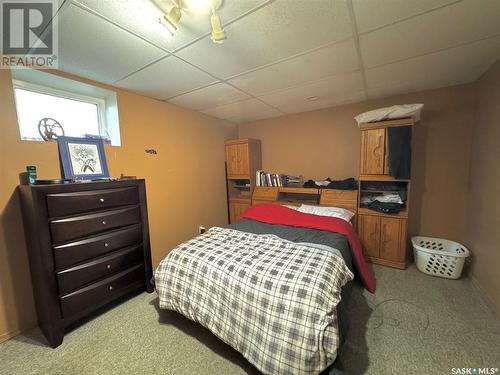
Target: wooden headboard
{"type": "Point", "coordinates": [347, 199]}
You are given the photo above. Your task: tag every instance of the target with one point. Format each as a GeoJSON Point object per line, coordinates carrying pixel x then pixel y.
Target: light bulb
{"type": "Point", "coordinates": [218, 33]}
{"type": "Point", "coordinates": [197, 5]}
{"type": "Point", "coordinates": [171, 21]}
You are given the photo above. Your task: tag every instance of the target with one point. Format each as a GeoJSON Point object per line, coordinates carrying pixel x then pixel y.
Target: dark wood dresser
{"type": "Point", "coordinates": [88, 244]}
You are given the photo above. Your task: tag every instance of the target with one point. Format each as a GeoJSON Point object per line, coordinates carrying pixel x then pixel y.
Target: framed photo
{"type": "Point", "coordinates": [82, 158]}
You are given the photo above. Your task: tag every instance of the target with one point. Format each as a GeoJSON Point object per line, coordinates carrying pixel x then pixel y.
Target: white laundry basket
{"type": "Point", "coordinates": [439, 257]}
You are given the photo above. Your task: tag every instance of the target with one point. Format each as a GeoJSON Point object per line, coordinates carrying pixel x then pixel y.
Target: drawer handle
{"type": "Point", "coordinates": [110, 287]}
{"type": "Point", "coordinates": [104, 222]}
{"type": "Point", "coordinates": [106, 244]}
{"type": "Point", "coordinates": [108, 266]}
{"type": "Point", "coordinates": [101, 200]}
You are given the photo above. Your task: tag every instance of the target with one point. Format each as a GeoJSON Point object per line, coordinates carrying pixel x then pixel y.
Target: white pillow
{"type": "Point", "coordinates": [341, 213]}
{"type": "Point", "coordinates": [390, 113]}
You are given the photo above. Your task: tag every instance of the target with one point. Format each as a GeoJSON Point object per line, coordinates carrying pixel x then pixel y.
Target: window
{"type": "Point", "coordinates": [77, 118]}
{"type": "Point", "coordinates": [48, 104]}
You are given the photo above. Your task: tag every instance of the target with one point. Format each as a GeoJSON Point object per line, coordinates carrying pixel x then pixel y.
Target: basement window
{"type": "Point", "coordinates": [49, 106]}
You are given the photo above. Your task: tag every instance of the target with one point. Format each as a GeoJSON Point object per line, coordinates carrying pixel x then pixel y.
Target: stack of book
{"type": "Point", "coordinates": [277, 180]}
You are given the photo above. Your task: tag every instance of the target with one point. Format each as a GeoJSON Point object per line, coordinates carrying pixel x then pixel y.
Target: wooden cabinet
{"type": "Point", "coordinates": [382, 235]}
{"type": "Point", "coordinates": [239, 156]}
{"type": "Point", "coordinates": [88, 245]}
{"type": "Point", "coordinates": [383, 239]}
{"type": "Point", "coordinates": [374, 159]}
{"type": "Point", "coordinates": [373, 151]}
{"type": "Point", "coordinates": [369, 234]}
{"type": "Point", "coordinates": [243, 159]}
{"type": "Point", "coordinates": [237, 208]}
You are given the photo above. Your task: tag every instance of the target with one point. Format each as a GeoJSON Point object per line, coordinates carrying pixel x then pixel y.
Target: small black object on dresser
{"type": "Point", "coordinates": [88, 244]}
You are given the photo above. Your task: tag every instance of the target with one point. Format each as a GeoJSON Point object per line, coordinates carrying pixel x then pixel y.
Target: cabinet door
{"type": "Point", "coordinates": [236, 209]}
{"type": "Point", "coordinates": [232, 159]}
{"type": "Point", "coordinates": [373, 151]}
{"type": "Point", "coordinates": [243, 162]}
{"type": "Point", "coordinates": [392, 239]}
{"type": "Point", "coordinates": [237, 158]}
{"type": "Point", "coordinates": [369, 234]}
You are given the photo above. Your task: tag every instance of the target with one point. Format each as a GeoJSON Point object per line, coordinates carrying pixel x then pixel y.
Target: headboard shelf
{"type": "Point", "coordinates": [347, 199]}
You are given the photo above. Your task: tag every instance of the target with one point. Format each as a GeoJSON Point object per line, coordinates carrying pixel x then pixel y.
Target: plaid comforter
{"type": "Point", "coordinates": [272, 300]}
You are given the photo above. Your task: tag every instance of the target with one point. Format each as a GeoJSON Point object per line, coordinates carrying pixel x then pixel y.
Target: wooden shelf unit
{"type": "Point", "coordinates": [292, 196]}
{"type": "Point", "coordinates": [384, 236]}
{"type": "Point", "coordinates": [243, 159]}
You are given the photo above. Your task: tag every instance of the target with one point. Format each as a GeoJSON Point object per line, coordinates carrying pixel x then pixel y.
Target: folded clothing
{"type": "Point", "coordinates": [385, 207]}
{"type": "Point", "coordinates": [384, 198]}
{"type": "Point", "coordinates": [347, 184]}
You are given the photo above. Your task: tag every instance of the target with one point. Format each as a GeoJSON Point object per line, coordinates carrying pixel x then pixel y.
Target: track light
{"type": "Point", "coordinates": [218, 33]}
{"type": "Point", "coordinates": [171, 20]}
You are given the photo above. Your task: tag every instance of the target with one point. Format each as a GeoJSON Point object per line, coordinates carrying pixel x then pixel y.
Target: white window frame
{"type": "Point", "coordinates": [99, 102]}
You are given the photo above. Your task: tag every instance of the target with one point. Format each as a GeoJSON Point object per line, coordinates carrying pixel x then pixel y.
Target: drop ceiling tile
{"type": "Point", "coordinates": [334, 59]}
{"type": "Point", "coordinates": [93, 48]}
{"type": "Point", "coordinates": [248, 116]}
{"type": "Point", "coordinates": [279, 30]}
{"type": "Point", "coordinates": [458, 64]}
{"type": "Point", "coordinates": [166, 78]}
{"type": "Point", "coordinates": [142, 18]}
{"type": "Point", "coordinates": [335, 89]}
{"type": "Point", "coordinates": [245, 110]}
{"type": "Point", "coordinates": [325, 102]}
{"type": "Point", "coordinates": [463, 22]}
{"type": "Point", "coordinates": [425, 82]}
{"type": "Point", "coordinates": [376, 13]}
{"type": "Point", "coordinates": [209, 97]}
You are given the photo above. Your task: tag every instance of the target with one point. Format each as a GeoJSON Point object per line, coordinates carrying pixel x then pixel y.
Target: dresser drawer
{"type": "Point", "coordinates": [88, 248]}
{"type": "Point", "coordinates": [78, 276]}
{"type": "Point", "coordinates": [101, 292]}
{"type": "Point", "coordinates": [65, 204]}
{"type": "Point", "coordinates": [80, 226]}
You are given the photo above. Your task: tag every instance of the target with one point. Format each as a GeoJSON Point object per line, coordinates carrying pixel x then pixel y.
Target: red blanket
{"type": "Point", "coordinates": [276, 214]}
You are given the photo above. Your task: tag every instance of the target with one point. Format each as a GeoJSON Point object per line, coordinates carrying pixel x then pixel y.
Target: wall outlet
{"type": "Point", "coordinates": [201, 229]}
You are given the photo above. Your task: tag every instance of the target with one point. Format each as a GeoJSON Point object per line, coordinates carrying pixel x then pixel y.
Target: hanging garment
{"type": "Point", "coordinates": [399, 151]}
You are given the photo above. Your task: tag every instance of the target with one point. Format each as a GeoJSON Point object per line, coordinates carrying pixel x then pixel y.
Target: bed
{"type": "Point", "coordinates": [269, 285]}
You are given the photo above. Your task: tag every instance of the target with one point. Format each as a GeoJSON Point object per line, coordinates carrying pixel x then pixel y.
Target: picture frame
{"type": "Point", "coordinates": [82, 158]}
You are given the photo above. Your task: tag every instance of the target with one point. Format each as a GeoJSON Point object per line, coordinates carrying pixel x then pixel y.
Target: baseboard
{"type": "Point", "coordinates": [484, 296]}
{"type": "Point", "coordinates": [8, 335]}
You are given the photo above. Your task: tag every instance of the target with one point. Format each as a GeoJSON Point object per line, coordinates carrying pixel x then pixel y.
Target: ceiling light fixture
{"type": "Point", "coordinates": [171, 20]}
{"type": "Point", "coordinates": [198, 5]}
{"type": "Point", "coordinates": [218, 33]}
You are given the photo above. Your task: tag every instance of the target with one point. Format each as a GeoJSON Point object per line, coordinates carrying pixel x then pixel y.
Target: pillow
{"type": "Point", "coordinates": [390, 113]}
{"type": "Point", "coordinates": [341, 213]}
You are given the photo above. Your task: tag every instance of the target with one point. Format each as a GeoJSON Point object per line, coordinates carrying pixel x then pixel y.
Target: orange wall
{"type": "Point", "coordinates": [483, 206]}
{"type": "Point", "coordinates": [185, 183]}
{"type": "Point", "coordinates": [326, 143]}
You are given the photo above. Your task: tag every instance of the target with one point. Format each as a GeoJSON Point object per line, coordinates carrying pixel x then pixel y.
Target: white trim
{"type": "Point", "coordinates": [99, 102]}
{"type": "Point", "coordinates": [47, 83]}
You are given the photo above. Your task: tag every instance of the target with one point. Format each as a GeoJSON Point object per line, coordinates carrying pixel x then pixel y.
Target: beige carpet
{"type": "Point", "coordinates": [414, 324]}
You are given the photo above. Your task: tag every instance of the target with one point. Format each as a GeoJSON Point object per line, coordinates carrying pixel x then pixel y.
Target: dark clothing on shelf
{"type": "Point", "coordinates": [310, 184]}
{"type": "Point", "coordinates": [386, 208]}
{"type": "Point", "coordinates": [400, 151]}
{"type": "Point", "coordinates": [347, 184]}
